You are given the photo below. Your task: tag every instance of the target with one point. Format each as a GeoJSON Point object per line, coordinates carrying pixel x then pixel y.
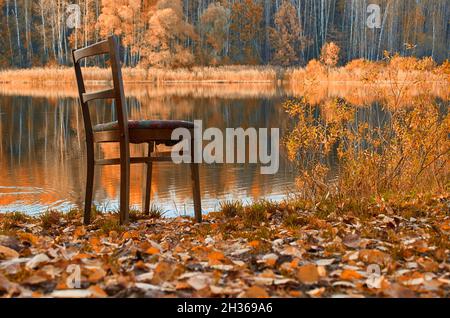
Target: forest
{"type": "Point", "coordinates": [184, 33]}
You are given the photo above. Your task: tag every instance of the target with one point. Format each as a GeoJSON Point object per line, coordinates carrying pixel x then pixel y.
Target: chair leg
{"type": "Point", "coordinates": [196, 192]}
{"type": "Point", "coordinates": [148, 183]}
{"type": "Point", "coordinates": [124, 184]}
{"type": "Point", "coordinates": [89, 191]}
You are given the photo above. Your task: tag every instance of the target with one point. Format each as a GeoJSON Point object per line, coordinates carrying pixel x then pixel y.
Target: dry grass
{"type": "Point", "coordinates": [405, 69]}
{"type": "Point", "coordinates": [225, 74]}
{"type": "Point", "coordinates": [407, 155]}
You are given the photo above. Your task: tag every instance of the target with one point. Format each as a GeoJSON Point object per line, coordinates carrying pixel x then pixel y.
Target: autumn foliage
{"type": "Point", "coordinates": [405, 154]}
{"type": "Point", "coordinates": [287, 38]}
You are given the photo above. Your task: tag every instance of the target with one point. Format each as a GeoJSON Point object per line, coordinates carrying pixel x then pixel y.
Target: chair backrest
{"type": "Point", "coordinates": [109, 46]}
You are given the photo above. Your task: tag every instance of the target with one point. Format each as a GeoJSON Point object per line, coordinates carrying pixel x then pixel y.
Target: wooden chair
{"type": "Point", "coordinates": [124, 132]}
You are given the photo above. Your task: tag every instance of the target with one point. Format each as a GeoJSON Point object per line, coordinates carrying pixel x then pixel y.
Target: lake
{"type": "Point", "coordinates": [42, 150]}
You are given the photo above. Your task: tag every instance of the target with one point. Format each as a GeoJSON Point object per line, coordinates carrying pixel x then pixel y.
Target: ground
{"type": "Point", "coordinates": [283, 251]}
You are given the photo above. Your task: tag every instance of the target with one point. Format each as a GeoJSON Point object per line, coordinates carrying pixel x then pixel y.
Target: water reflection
{"type": "Point", "coordinates": [42, 150]}
{"type": "Point", "coordinates": [42, 155]}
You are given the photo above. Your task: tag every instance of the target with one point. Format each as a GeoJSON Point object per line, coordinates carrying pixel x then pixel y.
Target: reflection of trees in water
{"type": "Point", "coordinates": [42, 142]}
{"type": "Point", "coordinates": [43, 145]}
{"type": "Point", "coordinates": [36, 146]}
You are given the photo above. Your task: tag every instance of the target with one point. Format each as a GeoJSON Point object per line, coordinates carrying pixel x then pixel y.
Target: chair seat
{"type": "Point", "coordinates": [145, 124]}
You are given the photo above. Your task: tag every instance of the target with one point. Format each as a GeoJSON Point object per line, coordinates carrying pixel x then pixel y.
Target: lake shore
{"type": "Point", "coordinates": [283, 250]}
{"type": "Point", "coordinates": [364, 72]}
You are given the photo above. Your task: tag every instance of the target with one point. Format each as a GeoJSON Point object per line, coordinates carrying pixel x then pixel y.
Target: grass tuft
{"type": "Point", "coordinates": [50, 218]}
{"type": "Point", "coordinates": [231, 209]}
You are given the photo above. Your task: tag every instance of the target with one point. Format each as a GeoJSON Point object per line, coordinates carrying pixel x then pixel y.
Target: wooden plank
{"type": "Point", "coordinates": [94, 49]}
{"type": "Point", "coordinates": [104, 94]}
{"type": "Point", "coordinates": [116, 161]}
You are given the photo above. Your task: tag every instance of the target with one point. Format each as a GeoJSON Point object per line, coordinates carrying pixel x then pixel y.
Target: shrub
{"type": "Point", "coordinates": [231, 209]}
{"type": "Point", "coordinates": [408, 154]}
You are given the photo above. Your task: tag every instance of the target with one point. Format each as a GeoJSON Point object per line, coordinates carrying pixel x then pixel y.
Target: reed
{"type": "Point", "coordinates": [407, 69]}
{"type": "Point", "coordinates": [225, 74]}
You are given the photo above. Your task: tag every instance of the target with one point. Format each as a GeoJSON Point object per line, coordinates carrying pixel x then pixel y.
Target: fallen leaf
{"type": "Point", "coordinates": [222, 267]}
{"type": "Point", "coordinates": [9, 241]}
{"type": "Point", "coordinates": [37, 260]}
{"type": "Point", "coordinates": [72, 293]}
{"type": "Point", "coordinates": [199, 281]}
{"type": "Point", "coordinates": [399, 291]}
{"type": "Point", "coordinates": [317, 292]}
{"type": "Point", "coordinates": [324, 262]}
{"type": "Point", "coordinates": [81, 256]}
{"type": "Point", "coordinates": [96, 274]}
{"type": "Point", "coordinates": [374, 257]}
{"type": "Point", "coordinates": [428, 265]}
{"type": "Point", "coordinates": [292, 251]}
{"type": "Point", "coordinates": [5, 284]}
{"type": "Point", "coordinates": [308, 274]}
{"type": "Point", "coordinates": [270, 259]}
{"type": "Point", "coordinates": [130, 235]}
{"type": "Point", "coordinates": [145, 277]}
{"type": "Point", "coordinates": [343, 284]}
{"type": "Point", "coordinates": [97, 291]}
{"type": "Point", "coordinates": [351, 240]}
{"type": "Point", "coordinates": [152, 251]}
{"type": "Point", "coordinates": [217, 290]}
{"type": "Point", "coordinates": [256, 292]}
{"type": "Point", "coordinates": [162, 273]}
{"type": "Point", "coordinates": [215, 258]}
{"type": "Point", "coordinates": [35, 279]}
{"type": "Point", "coordinates": [79, 231]}
{"type": "Point", "coordinates": [182, 285]}
{"type": "Point", "coordinates": [254, 244]}
{"type": "Point", "coordinates": [240, 251]}
{"type": "Point", "coordinates": [348, 274]}
{"type": "Point", "coordinates": [8, 253]}
{"type": "Point", "coordinates": [28, 237]}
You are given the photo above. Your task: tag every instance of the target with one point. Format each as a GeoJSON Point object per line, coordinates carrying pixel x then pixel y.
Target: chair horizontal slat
{"type": "Point", "coordinates": [136, 136]}
{"type": "Point", "coordinates": [95, 49]}
{"type": "Point", "coordinates": [112, 162]}
{"type": "Point", "coordinates": [105, 94]}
